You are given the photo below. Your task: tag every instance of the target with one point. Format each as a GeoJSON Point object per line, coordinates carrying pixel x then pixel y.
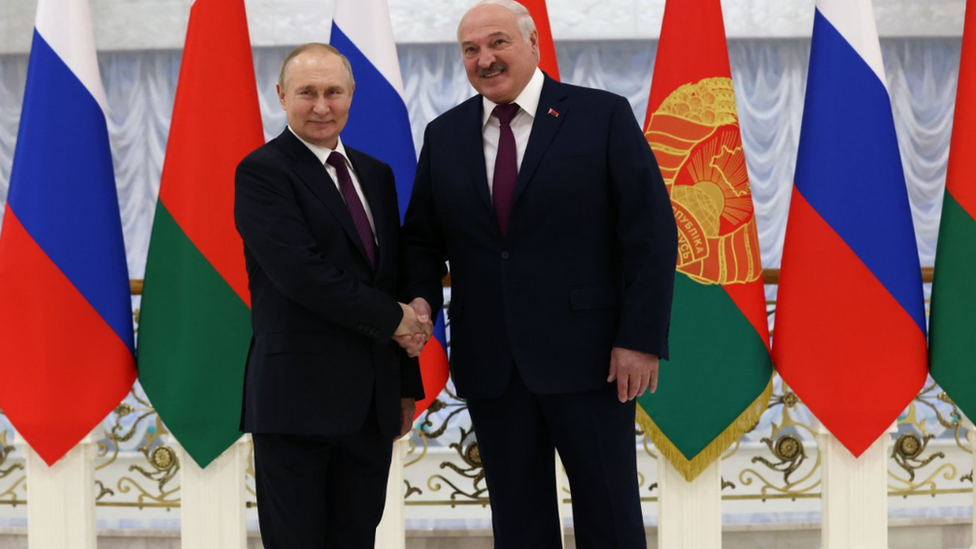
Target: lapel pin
{"type": "Point", "coordinates": [552, 112]}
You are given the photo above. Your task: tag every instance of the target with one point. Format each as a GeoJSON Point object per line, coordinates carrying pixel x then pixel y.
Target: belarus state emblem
{"type": "Point", "coordinates": [695, 138]}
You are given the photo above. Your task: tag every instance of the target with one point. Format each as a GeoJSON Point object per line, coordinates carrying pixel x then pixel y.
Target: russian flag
{"type": "Point", "coordinates": [66, 349]}
{"type": "Point", "coordinates": [850, 320]}
{"type": "Point", "coordinates": [379, 126]}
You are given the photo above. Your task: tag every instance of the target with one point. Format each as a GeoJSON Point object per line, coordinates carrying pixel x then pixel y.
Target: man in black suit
{"type": "Point", "coordinates": [327, 389]}
{"type": "Point", "coordinates": [550, 208]}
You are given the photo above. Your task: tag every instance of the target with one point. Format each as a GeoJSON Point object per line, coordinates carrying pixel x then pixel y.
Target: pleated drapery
{"type": "Point", "coordinates": [769, 75]}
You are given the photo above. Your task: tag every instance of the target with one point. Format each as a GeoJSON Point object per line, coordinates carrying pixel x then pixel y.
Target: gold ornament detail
{"type": "Point", "coordinates": [695, 137]}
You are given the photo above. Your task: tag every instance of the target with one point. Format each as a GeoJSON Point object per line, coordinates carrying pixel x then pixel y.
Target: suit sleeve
{"type": "Point", "coordinates": [423, 252]}
{"type": "Point", "coordinates": [647, 236]}
{"type": "Point", "coordinates": [411, 382]}
{"type": "Point", "coordinates": [275, 233]}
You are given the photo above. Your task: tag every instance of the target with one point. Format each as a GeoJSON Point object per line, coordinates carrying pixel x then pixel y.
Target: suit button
{"type": "Point", "coordinates": [505, 255]}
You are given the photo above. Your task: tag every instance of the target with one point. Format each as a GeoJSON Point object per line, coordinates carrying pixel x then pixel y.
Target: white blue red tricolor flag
{"type": "Point", "coordinates": [379, 126]}
{"type": "Point", "coordinates": [850, 320]}
{"type": "Point", "coordinates": [66, 349]}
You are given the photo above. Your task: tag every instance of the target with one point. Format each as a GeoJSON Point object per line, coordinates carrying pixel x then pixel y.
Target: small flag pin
{"type": "Point", "coordinates": [553, 112]}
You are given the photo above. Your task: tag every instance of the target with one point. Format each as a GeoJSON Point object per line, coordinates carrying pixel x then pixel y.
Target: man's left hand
{"type": "Point", "coordinates": [634, 372]}
{"type": "Point", "coordinates": [408, 407]}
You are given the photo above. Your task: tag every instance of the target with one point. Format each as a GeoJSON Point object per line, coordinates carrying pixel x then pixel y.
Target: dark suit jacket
{"type": "Point", "coordinates": [322, 317]}
{"type": "Point", "coordinates": [587, 263]}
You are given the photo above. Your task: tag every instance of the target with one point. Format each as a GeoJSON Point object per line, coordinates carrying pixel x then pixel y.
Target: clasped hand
{"type": "Point", "coordinates": [415, 327]}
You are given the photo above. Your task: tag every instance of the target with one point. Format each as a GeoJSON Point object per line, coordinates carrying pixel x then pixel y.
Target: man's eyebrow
{"type": "Point", "coordinates": [492, 35]}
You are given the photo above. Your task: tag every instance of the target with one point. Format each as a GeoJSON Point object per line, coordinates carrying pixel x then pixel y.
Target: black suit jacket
{"type": "Point", "coordinates": [588, 260]}
{"type": "Point", "coordinates": [323, 318]}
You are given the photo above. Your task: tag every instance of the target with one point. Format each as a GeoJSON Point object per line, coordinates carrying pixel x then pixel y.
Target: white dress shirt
{"type": "Point", "coordinates": [322, 153]}
{"type": "Point", "coordinates": [528, 102]}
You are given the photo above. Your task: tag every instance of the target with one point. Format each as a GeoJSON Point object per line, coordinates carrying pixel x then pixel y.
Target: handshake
{"type": "Point", "coordinates": [415, 327]}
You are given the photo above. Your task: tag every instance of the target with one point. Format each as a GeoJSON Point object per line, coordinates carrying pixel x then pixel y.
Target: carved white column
{"type": "Point", "coordinates": [689, 513]}
{"type": "Point", "coordinates": [971, 435]}
{"type": "Point", "coordinates": [61, 499]}
{"type": "Point", "coordinates": [212, 500]}
{"type": "Point", "coordinates": [392, 533]}
{"type": "Point", "coordinates": [855, 494]}
{"type": "Point", "coordinates": [560, 496]}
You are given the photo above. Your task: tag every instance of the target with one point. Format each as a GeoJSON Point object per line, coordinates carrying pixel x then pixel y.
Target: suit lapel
{"type": "Point", "coordinates": [544, 128]}
{"type": "Point", "coordinates": [473, 146]}
{"type": "Point", "coordinates": [316, 178]}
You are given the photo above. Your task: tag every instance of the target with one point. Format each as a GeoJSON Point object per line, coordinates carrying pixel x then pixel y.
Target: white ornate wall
{"type": "Point", "coordinates": [161, 24]}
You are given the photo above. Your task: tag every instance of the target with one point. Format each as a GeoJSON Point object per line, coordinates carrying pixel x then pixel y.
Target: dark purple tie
{"type": "Point", "coordinates": [356, 210]}
{"type": "Point", "coordinates": [506, 166]}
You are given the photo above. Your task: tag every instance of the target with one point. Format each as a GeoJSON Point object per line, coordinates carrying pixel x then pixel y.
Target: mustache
{"type": "Point", "coordinates": [494, 67]}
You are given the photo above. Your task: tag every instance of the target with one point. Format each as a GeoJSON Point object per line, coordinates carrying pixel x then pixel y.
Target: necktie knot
{"type": "Point", "coordinates": [505, 113]}
{"type": "Point", "coordinates": [336, 159]}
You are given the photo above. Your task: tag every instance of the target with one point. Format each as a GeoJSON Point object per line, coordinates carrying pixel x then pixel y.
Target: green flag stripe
{"type": "Point", "coordinates": [718, 367]}
{"type": "Point", "coordinates": [193, 339]}
{"type": "Point", "coordinates": [952, 323]}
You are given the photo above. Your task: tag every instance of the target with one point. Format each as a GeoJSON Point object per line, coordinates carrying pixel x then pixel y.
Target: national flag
{"type": "Point", "coordinates": [718, 380]}
{"type": "Point", "coordinates": [952, 324]}
{"type": "Point", "coordinates": [379, 126]}
{"type": "Point", "coordinates": [66, 349]}
{"type": "Point", "coordinates": [547, 58]}
{"type": "Point", "coordinates": [850, 317]}
{"type": "Point", "coordinates": [194, 326]}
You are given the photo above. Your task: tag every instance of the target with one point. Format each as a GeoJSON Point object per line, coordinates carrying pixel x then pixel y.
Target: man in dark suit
{"type": "Point", "coordinates": [327, 389]}
{"type": "Point", "coordinates": [549, 206]}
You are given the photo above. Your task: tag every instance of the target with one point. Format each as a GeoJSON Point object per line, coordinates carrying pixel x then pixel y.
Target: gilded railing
{"type": "Point", "coordinates": [138, 466]}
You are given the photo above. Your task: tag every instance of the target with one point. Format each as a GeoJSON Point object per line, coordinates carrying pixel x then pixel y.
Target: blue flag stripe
{"type": "Point", "coordinates": [849, 169]}
{"type": "Point", "coordinates": [378, 122]}
{"type": "Point", "coordinates": [62, 186]}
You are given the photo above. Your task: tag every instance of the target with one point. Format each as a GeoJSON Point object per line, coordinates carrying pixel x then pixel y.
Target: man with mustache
{"type": "Point", "coordinates": [327, 390]}
{"type": "Point", "coordinates": [548, 205]}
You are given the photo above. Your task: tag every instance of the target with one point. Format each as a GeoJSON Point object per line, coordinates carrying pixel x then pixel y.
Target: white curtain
{"type": "Point", "coordinates": [770, 78]}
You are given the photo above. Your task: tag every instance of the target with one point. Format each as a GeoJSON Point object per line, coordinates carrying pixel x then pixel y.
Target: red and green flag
{"type": "Point", "coordinates": [547, 52]}
{"type": "Point", "coordinates": [952, 324]}
{"type": "Point", "coordinates": [194, 325]}
{"type": "Point", "coordinates": [718, 380]}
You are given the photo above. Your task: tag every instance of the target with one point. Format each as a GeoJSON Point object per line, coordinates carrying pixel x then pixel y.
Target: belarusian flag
{"type": "Point", "coordinates": [952, 324]}
{"type": "Point", "coordinates": [547, 52]}
{"type": "Point", "coordinates": [194, 327]}
{"type": "Point", "coordinates": [718, 380]}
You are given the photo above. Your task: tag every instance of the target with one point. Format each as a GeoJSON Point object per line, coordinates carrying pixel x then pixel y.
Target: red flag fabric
{"type": "Point", "coordinates": [194, 324]}
{"type": "Point", "coordinates": [540, 15]}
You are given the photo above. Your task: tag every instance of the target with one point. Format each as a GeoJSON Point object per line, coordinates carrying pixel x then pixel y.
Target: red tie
{"type": "Point", "coordinates": [506, 165]}
{"type": "Point", "coordinates": [356, 209]}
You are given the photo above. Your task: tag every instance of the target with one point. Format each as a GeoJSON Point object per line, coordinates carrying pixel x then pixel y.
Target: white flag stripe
{"type": "Point", "coordinates": [367, 24]}
{"type": "Point", "coordinates": [66, 26]}
{"type": "Point", "coordinates": [854, 20]}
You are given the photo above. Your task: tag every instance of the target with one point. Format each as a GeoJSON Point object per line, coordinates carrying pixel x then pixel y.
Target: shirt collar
{"type": "Point", "coordinates": [528, 100]}
{"type": "Point", "coordinates": [322, 153]}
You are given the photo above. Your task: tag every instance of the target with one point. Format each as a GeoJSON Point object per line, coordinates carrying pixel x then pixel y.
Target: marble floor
{"type": "Point", "coordinates": [913, 533]}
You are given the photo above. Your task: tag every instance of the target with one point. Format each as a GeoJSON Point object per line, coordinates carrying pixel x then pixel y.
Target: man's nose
{"type": "Point", "coordinates": [321, 106]}
{"type": "Point", "coordinates": [486, 60]}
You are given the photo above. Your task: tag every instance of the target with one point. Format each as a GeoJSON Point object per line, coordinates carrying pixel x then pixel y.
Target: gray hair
{"type": "Point", "coordinates": [286, 64]}
{"type": "Point", "coordinates": [524, 20]}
